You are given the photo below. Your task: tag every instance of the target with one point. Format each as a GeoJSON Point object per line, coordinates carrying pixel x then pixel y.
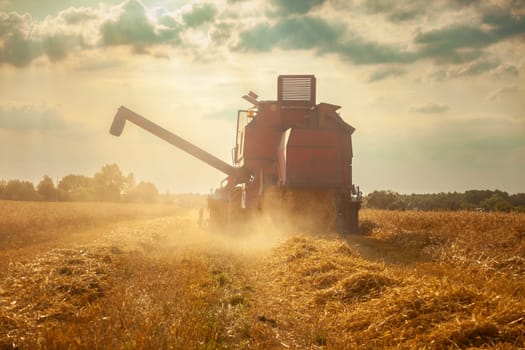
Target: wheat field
{"type": "Point", "coordinates": [103, 276]}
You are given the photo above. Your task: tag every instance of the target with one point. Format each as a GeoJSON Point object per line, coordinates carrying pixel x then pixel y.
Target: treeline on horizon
{"type": "Point", "coordinates": [109, 184]}
{"type": "Point", "coordinates": [482, 200]}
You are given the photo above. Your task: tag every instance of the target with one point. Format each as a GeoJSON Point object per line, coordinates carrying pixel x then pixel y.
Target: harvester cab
{"type": "Point", "coordinates": [292, 157]}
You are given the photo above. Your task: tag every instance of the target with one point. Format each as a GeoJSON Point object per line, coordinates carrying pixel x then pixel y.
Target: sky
{"type": "Point", "coordinates": [435, 90]}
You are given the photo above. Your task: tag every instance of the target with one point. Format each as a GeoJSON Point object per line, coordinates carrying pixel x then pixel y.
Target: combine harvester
{"type": "Point", "coordinates": [292, 159]}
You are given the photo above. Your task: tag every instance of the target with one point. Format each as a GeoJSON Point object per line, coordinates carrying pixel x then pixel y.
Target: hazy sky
{"type": "Point", "coordinates": [435, 89]}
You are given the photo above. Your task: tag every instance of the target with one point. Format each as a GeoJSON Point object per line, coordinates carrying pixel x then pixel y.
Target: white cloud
{"type": "Point", "coordinates": [503, 92]}
{"type": "Point", "coordinates": [430, 108]}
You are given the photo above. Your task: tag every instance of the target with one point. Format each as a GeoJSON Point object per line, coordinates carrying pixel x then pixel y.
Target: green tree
{"type": "Point", "coordinates": [386, 200]}
{"type": "Point", "coordinates": [129, 185]}
{"type": "Point", "coordinates": [496, 203]}
{"type": "Point", "coordinates": [46, 189]}
{"type": "Point", "coordinates": [20, 190]}
{"type": "Point", "coordinates": [110, 183]}
{"type": "Point", "coordinates": [446, 201]}
{"type": "Point", "coordinates": [3, 186]}
{"type": "Point", "coordinates": [144, 192]}
{"type": "Point", "coordinates": [475, 197]}
{"type": "Point", "coordinates": [76, 188]}
{"type": "Point", "coordinates": [518, 201]}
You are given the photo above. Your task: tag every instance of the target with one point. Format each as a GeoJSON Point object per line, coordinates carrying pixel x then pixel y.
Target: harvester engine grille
{"type": "Point", "coordinates": [296, 90]}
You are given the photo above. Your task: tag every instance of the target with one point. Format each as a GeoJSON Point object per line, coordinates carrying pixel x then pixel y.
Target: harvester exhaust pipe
{"type": "Point", "coordinates": [123, 114]}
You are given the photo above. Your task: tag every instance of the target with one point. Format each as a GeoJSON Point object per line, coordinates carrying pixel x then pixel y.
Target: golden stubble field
{"type": "Point", "coordinates": [109, 276]}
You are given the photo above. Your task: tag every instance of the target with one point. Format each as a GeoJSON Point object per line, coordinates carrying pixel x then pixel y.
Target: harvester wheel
{"type": "Point", "coordinates": [227, 215]}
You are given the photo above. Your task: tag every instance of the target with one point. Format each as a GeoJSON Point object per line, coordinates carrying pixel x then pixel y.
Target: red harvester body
{"type": "Point", "coordinates": [291, 155]}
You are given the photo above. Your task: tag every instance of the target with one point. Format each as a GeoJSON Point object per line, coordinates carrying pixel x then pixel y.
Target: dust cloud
{"type": "Point", "coordinates": [256, 236]}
